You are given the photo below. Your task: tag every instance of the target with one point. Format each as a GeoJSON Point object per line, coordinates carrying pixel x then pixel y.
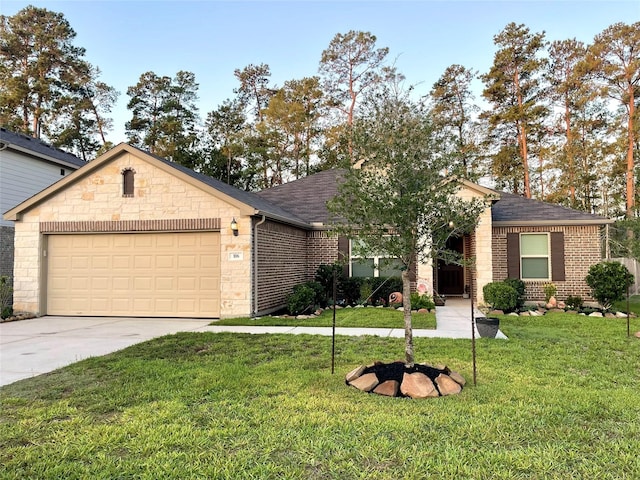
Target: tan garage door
{"type": "Point", "coordinates": [134, 274]}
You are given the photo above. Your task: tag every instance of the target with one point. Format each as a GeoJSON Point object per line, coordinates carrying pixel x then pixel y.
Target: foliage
{"type": "Point", "coordinates": [520, 288]}
{"type": "Point", "coordinates": [500, 296]}
{"type": "Point", "coordinates": [574, 302]}
{"type": "Point", "coordinates": [513, 87]}
{"type": "Point", "coordinates": [609, 282]}
{"type": "Point", "coordinates": [176, 406]}
{"type": "Point", "coordinates": [324, 276]}
{"type": "Point", "coordinates": [302, 299]}
{"type": "Point", "coordinates": [453, 109]}
{"type": "Point", "coordinates": [419, 301]}
{"type": "Point", "coordinates": [165, 116]}
{"type": "Point", "coordinates": [398, 202]}
{"type": "Point", "coordinates": [6, 293]}
{"type": "Point", "coordinates": [47, 88]}
{"type": "Point", "coordinates": [549, 290]}
{"type": "Point", "coordinates": [350, 289]}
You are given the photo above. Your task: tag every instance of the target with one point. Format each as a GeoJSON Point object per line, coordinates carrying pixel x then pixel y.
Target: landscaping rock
{"type": "Point", "coordinates": [526, 313]}
{"type": "Point", "coordinates": [621, 315]}
{"type": "Point", "coordinates": [496, 312]}
{"type": "Point", "coordinates": [366, 382]}
{"type": "Point", "coordinates": [388, 388]}
{"type": "Point", "coordinates": [514, 314]}
{"type": "Point", "coordinates": [637, 334]}
{"type": "Point", "coordinates": [536, 313]}
{"type": "Point", "coordinates": [423, 310]}
{"type": "Point", "coordinates": [596, 314]}
{"type": "Point", "coordinates": [609, 315]}
{"type": "Point", "coordinates": [355, 373]}
{"type": "Point", "coordinates": [571, 311]}
{"type": "Point", "coordinates": [447, 385]}
{"type": "Point", "coordinates": [418, 385]}
{"type": "Point", "coordinates": [459, 379]}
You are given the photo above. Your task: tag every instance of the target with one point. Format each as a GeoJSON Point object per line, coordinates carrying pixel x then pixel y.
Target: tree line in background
{"type": "Point", "coordinates": [559, 122]}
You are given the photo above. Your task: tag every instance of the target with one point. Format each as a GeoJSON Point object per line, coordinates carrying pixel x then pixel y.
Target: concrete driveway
{"type": "Point", "coordinates": [40, 345]}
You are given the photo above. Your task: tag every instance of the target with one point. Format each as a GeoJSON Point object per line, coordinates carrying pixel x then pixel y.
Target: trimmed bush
{"type": "Point", "coordinates": [324, 276]}
{"type": "Point", "coordinates": [574, 302]}
{"type": "Point", "coordinates": [350, 289]}
{"type": "Point", "coordinates": [302, 299]}
{"type": "Point", "coordinates": [520, 288]}
{"type": "Point", "coordinates": [609, 282]}
{"type": "Point", "coordinates": [500, 296]}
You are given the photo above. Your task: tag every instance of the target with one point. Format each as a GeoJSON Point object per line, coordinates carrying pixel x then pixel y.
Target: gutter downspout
{"type": "Point", "coordinates": [255, 265]}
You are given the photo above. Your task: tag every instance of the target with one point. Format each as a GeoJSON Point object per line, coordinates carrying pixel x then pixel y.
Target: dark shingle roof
{"type": "Point", "coordinates": [38, 147]}
{"type": "Point", "coordinates": [307, 197]}
{"type": "Point", "coordinates": [515, 209]}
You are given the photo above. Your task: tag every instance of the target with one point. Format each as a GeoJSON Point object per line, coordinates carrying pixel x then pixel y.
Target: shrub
{"type": "Point", "coordinates": [520, 288]}
{"type": "Point", "coordinates": [365, 292]}
{"type": "Point", "coordinates": [574, 302]}
{"type": "Point", "coordinates": [324, 276]}
{"type": "Point", "coordinates": [302, 298]}
{"type": "Point", "coordinates": [500, 296]}
{"type": "Point", "coordinates": [350, 289]}
{"type": "Point", "coordinates": [549, 290]}
{"type": "Point", "coordinates": [6, 291]}
{"type": "Point", "coordinates": [609, 282]}
{"type": "Point", "coordinates": [421, 301]}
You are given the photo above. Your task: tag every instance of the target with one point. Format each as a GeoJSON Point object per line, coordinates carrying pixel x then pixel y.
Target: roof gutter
{"type": "Point", "coordinates": [545, 223]}
{"type": "Point", "coordinates": [255, 265]}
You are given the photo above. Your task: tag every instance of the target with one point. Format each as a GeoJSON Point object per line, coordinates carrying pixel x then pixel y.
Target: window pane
{"type": "Point", "coordinates": [389, 267]}
{"type": "Point", "coordinates": [534, 244]}
{"type": "Point", "coordinates": [535, 268]}
{"type": "Point", "coordinates": [362, 267]}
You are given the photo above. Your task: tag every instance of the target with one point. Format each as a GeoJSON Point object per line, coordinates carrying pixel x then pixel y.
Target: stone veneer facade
{"type": "Point", "coordinates": [581, 250]}
{"type": "Point", "coordinates": [159, 196]}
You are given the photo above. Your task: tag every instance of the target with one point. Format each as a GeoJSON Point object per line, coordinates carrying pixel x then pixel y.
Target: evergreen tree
{"type": "Point", "coordinates": [513, 87]}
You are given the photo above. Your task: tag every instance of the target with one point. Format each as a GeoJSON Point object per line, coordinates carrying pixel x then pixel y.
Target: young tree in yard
{"type": "Point", "coordinates": [513, 87]}
{"type": "Point", "coordinates": [399, 202]}
{"type": "Point", "coordinates": [614, 57]}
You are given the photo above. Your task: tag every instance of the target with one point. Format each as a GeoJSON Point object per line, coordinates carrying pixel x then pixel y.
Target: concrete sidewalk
{"type": "Point", "coordinates": [40, 345]}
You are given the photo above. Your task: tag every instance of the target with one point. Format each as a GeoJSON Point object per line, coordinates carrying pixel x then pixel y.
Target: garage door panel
{"type": "Point", "coordinates": [108, 274]}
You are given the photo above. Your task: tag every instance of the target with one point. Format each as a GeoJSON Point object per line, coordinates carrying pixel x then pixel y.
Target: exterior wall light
{"type": "Point", "coordinates": [234, 227]}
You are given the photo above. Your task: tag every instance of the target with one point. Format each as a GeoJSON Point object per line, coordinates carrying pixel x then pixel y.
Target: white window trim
{"type": "Point", "coordinates": [547, 256]}
{"type": "Point", "coordinates": [376, 260]}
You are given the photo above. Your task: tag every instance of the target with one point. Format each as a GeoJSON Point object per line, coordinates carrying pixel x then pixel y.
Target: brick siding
{"type": "Point", "coordinates": [282, 263]}
{"type": "Point", "coordinates": [581, 248]}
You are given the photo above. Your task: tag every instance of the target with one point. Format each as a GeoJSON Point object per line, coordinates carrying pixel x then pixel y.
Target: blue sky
{"type": "Point", "coordinates": [213, 38]}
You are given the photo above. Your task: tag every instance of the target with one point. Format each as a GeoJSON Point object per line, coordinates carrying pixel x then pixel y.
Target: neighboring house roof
{"type": "Point", "coordinates": [516, 210]}
{"type": "Point", "coordinates": [307, 197]}
{"type": "Point", "coordinates": [38, 148]}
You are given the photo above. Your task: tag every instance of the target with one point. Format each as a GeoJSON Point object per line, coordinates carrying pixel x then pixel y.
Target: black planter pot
{"type": "Point", "coordinates": [487, 326]}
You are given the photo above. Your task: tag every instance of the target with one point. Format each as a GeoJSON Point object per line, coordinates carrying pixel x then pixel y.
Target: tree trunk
{"type": "Point", "coordinates": [630, 164]}
{"type": "Point", "coordinates": [406, 307]}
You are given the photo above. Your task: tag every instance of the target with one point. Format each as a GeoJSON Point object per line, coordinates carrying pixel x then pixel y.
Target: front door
{"type": "Point", "coordinates": [450, 276]}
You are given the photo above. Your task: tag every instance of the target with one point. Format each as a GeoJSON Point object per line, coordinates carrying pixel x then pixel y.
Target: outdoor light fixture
{"type": "Point", "coordinates": [234, 227]}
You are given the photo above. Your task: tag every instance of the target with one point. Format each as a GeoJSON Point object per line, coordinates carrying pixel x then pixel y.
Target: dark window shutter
{"type": "Point", "coordinates": [513, 255]}
{"type": "Point", "coordinates": [343, 254]}
{"type": "Point", "coordinates": [557, 257]}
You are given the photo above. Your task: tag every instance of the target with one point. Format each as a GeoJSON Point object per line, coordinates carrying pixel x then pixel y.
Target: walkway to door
{"type": "Point", "coordinates": [454, 319]}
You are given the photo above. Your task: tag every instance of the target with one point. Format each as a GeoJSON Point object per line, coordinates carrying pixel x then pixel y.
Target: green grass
{"type": "Point", "coordinates": [346, 317]}
{"type": "Point", "coordinates": [559, 400]}
{"type": "Point", "coordinates": [634, 305]}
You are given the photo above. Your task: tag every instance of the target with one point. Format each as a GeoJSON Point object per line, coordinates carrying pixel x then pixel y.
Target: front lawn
{"type": "Point", "coordinates": [369, 317]}
{"type": "Point", "coordinates": [560, 399]}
